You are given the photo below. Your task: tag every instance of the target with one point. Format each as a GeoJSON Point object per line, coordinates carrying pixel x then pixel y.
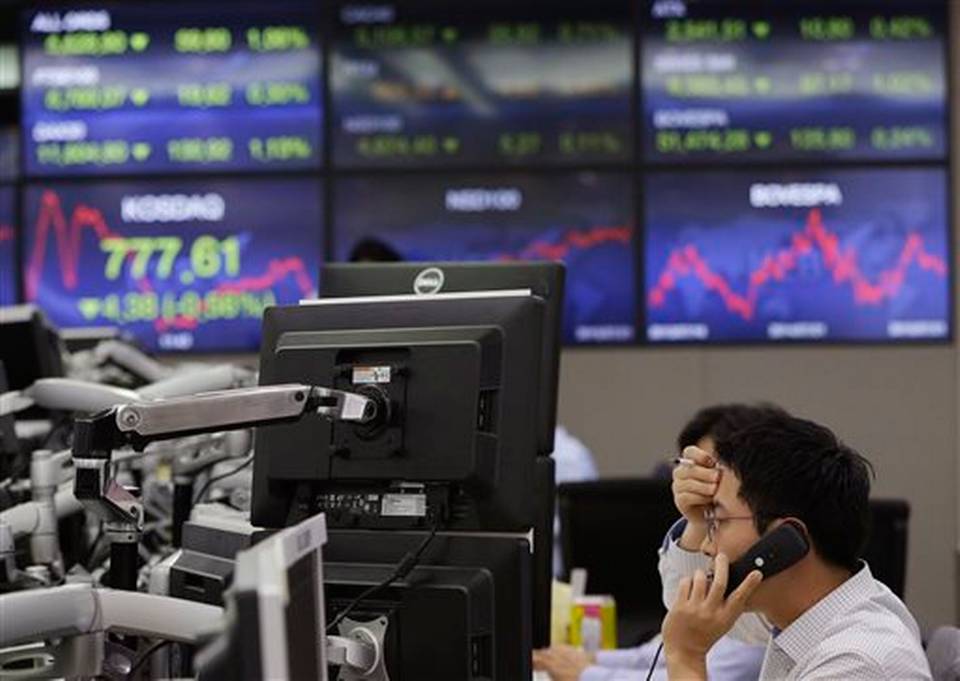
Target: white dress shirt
{"type": "Point", "coordinates": [860, 630]}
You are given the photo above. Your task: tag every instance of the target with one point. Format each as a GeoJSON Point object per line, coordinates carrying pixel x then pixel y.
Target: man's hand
{"type": "Point", "coordinates": [693, 489]}
{"type": "Point", "coordinates": [700, 616]}
{"type": "Point", "coordinates": [563, 663]}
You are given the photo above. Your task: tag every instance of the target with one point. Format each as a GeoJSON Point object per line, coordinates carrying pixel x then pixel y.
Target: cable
{"type": "Point", "coordinates": [217, 478]}
{"type": "Point", "coordinates": [92, 551]}
{"type": "Point", "coordinates": [146, 656]}
{"type": "Point", "coordinates": [407, 564]}
{"type": "Point", "coordinates": [653, 665]}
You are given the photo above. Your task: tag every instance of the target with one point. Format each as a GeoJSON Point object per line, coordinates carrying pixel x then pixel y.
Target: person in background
{"type": "Point", "coordinates": [370, 249]}
{"type": "Point", "coordinates": [729, 659]}
{"type": "Point", "coordinates": [573, 462]}
{"type": "Point", "coordinates": [823, 617]}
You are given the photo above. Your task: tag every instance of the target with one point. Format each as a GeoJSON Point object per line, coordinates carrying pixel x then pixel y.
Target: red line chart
{"type": "Point", "coordinates": [842, 265]}
{"type": "Point", "coordinates": [573, 240]}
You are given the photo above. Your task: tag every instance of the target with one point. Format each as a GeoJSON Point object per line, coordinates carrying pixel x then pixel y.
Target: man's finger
{"type": "Point", "coordinates": [683, 590]}
{"type": "Point", "coordinates": [701, 473]}
{"type": "Point", "coordinates": [707, 489]}
{"type": "Point", "coordinates": [721, 573]}
{"type": "Point", "coordinates": [738, 599]}
{"type": "Point", "coordinates": [699, 590]}
{"type": "Point", "coordinates": [699, 456]}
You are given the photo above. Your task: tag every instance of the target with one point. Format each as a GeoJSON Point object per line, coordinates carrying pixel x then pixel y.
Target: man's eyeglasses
{"type": "Point", "coordinates": [713, 522]}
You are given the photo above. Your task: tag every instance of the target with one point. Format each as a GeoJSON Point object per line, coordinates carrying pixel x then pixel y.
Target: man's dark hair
{"type": "Point", "coordinates": [722, 420]}
{"type": "Point", "coordinates": [791, 467]}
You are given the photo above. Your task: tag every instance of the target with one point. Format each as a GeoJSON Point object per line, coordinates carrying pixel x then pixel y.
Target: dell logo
{"type": "Point", "coordinates": [428, 282]}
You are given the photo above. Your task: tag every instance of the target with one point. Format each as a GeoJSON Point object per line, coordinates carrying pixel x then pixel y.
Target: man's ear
{"type": "Point", "coordinates": [801, 527]}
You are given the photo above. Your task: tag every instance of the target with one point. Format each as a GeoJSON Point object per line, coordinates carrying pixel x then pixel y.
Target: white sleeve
{"type": "Point", "coordinates": [676, 563]}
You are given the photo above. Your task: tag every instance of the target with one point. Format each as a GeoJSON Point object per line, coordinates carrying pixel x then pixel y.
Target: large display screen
{"type": "Point", "coordinates": [507, 82]}
{"type": "Point", "coordinates": [793, 80]}
{"type": "Point", "coordinates": [8, 248]}
{"type": "Point", "coordinates": [171, 87]}
{"type": "Point", "coordinates": [186, 264]}
{"type": "Point", "coordinates": [584, 219]}
{"type": "Point", "coordinates": [860, 255]}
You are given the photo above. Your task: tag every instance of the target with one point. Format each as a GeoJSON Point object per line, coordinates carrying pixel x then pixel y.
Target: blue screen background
{"type": "Point", "coordinates": [583, 219]}
{"type": "Point", "coordinates": [881, 210]}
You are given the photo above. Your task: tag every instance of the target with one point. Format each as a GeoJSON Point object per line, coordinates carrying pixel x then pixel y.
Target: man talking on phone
{"type": "Point", "coordinates": [822, 615]}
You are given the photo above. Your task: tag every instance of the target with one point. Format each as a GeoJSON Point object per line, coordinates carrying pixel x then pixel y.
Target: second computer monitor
{"type": "Point", "coordinates": [456, 382]}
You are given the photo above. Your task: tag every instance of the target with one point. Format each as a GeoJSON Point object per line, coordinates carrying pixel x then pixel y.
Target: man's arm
{"type": "Point", "coordinates": [675, 563]}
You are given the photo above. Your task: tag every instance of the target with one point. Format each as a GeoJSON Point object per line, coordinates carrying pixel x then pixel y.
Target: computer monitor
{"type": "Point", "coordinates": [456, 378]}
{"type": "Point", "coordinates": [275, 611]}
{"type": "Point", "coordinates": [463, 614]}
{"type": "Point", "coordinates": [544, 279]}
{"type": "Point", "coordinates": [29, 346]}
{"type": "Point", "coordinates": [613, 529]}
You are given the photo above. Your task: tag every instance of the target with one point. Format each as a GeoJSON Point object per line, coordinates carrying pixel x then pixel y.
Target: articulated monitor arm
{"type": "Point", "coordinates": [137, 424]}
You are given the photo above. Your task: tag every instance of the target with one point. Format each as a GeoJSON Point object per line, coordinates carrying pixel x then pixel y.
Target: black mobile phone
{"type": "Point", "coordinates": [774, 552]}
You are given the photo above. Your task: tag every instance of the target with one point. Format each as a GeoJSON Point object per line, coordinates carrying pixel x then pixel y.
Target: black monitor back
{"type": "Point", "coordinates": [29, 346]}
{"type": "Point", "coordinates": [545, 280]}
{"type": "Point", "coordinates": [613, 528]}
{"type": "Point", "coordinates": [463, 396]}
{"type": "Point", "coordinates": [886, 549]}
{"type": "Point", "coordinates": [463, 614]}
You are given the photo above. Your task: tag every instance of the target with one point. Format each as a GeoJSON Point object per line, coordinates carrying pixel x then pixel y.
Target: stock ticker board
{"type": "Point", "coordinates": [184, 264]}
{"type": "Point", "coordinates": [511, 83]}
{"type": "Point", "coordinates": [129, 88]}
{"type": "Point", "coordinates": [843, 79]}
{"type": "Point", "coordinates": [534, 128]}
{"type": "Point", "coordinates": [811, 255]}
{"type": "Point", "coordinates": [8, 247]}
{"type": "Point", "coordinates": [584, 219]}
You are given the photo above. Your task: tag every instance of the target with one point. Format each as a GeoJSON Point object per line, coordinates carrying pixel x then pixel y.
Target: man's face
{"type": "Point", "coordinates": [734, 530]}
{"type": "Point", "coordinates": [732, 537]}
